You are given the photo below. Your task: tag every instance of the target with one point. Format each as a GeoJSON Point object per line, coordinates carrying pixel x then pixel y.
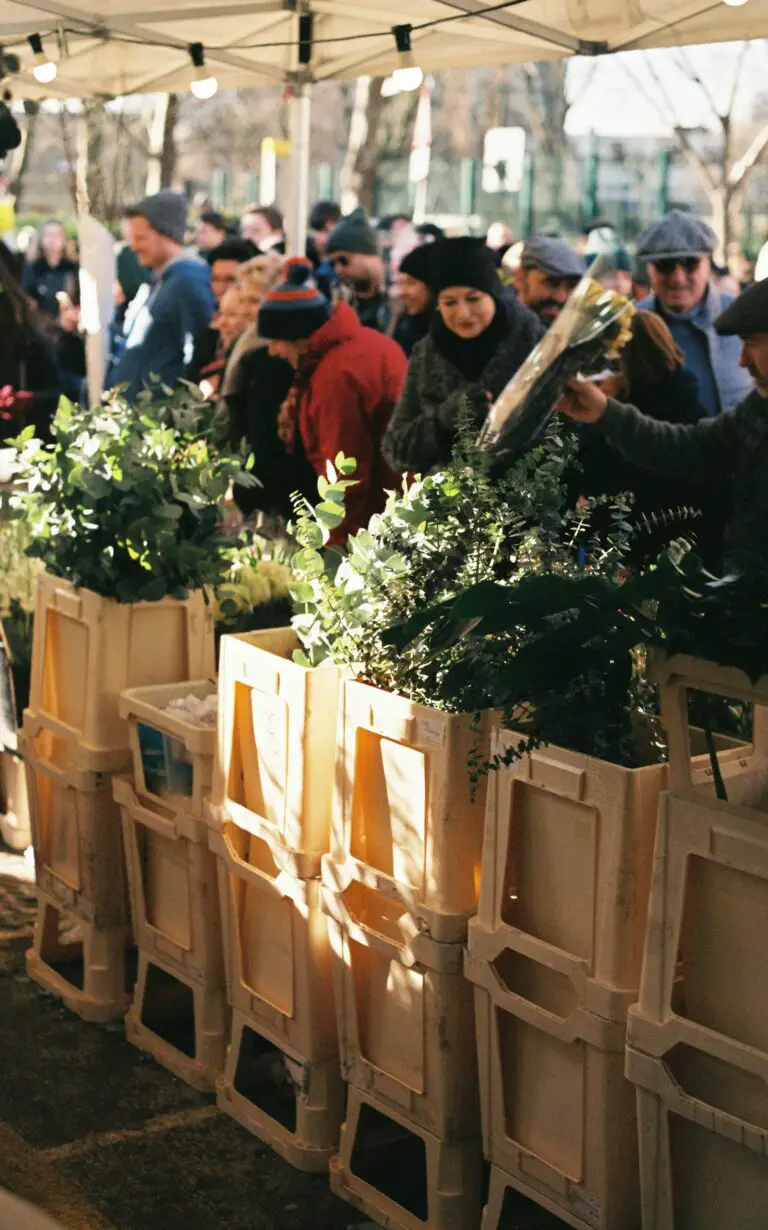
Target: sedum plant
{"type": "Point", "coordinates": [127, 500]}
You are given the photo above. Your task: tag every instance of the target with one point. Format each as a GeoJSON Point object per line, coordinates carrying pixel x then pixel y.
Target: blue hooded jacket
{"type": "Point", "coordinates": [161, 325]}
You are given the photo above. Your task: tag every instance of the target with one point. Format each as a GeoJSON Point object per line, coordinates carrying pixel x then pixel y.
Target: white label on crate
{"type": "Point", "coordinates": [585, 1206]}
{"type": "Point", "coordinates": [432, 730]}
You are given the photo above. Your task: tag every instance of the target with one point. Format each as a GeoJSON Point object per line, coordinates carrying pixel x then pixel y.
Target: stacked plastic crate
{"type": "Point", "coordinates": [399, 887]}
{"type": "Point", "coordinates": [697, 1041]}
{"type": "Point", "coordinates": [86, 650]}
{"type": "Point", "coordinates": [179, 1011]}
{"type": "Point", "coordinates": [269, 825]}
{"type": "Point", "coordinates": [555, 954]}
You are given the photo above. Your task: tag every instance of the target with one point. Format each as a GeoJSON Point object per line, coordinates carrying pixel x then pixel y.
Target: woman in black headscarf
{"type": "Point", "coordinates": [477, 340]}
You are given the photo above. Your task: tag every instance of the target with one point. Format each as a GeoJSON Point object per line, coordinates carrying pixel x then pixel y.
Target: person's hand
{"type": "Point", "coordinates": [582, 401]}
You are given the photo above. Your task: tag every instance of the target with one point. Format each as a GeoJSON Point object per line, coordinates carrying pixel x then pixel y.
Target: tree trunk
{"type": "Point", "coordinates": [162, 152]}
{"type": "Point", "coordinates": [721, 219]}
{"type": "Point", "coordinates": [169, 151]}
{"type": "Point", "coordinates": [20, 159]}
{"type": "Point", "coordinates": [358, 173]}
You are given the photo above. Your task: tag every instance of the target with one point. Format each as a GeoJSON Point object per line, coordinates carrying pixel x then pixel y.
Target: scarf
{"type": "Point", "coordinates": [471, 355]}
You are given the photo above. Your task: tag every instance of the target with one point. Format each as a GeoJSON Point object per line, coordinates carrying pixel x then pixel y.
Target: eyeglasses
{"type": "Point", "coordinates": [341, 261]}
{"type": "Point", "coordinates": [669, 264]}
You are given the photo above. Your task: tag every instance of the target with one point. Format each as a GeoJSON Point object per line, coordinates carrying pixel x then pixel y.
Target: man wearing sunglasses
{"type": "Point", "coordinates": [678, 252]}
{"type": "Point", "coordinates": [353, 250]}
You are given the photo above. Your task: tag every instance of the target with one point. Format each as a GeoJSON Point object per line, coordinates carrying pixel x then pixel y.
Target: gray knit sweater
{"type": "Point", "coordinates": [422, 430]}
{"type": "Point", "coordinates": [733, 446]}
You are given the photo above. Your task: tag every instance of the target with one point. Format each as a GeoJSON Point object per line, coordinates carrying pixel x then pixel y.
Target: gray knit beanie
{"type": "Point", "coordinates": [166, 213]}
{"type": "Point", "coordinates": [353, 234]}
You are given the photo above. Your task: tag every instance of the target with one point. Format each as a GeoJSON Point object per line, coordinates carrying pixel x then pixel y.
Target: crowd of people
{"type": "Point", "coordinates": [381, 339]}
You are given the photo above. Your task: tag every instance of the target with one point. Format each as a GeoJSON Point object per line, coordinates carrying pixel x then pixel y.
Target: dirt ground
{"type": "Point", "coordinates": [102, 1138]}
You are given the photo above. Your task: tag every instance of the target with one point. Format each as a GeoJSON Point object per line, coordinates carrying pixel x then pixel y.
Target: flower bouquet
{"type": "Point", "coordinates": [593, 326]}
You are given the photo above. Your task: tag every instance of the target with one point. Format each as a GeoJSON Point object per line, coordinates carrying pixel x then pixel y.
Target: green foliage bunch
{"type": "Point", "coordinates": [127, 501]}
{"type": "Point", "coordinates": [450, 532]}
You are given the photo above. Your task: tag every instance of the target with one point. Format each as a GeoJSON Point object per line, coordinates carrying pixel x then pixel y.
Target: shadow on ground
{"type": "Point", "coordinates": [104, 1139]}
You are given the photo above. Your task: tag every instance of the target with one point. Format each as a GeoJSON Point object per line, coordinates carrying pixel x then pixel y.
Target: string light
{"type": "Point", "coordinates": [44, 69]}
{"type": "Point", "coordinates": [203, 84]}
{"type": "Point", "coordinates": [407, 76]}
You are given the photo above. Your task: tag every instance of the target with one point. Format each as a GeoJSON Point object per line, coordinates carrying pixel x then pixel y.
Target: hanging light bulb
{"type": "Point", "coordinates": [407, 76]}
{"type": "Point", "coordinates": [44, 70]}
{"type": "Point", "coordinates": [734, 4]}
{"type": "Point", "coordinates": [203, 84]}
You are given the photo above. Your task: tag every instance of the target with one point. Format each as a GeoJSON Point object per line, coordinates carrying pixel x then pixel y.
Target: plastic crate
{"type": "Point", "coordinates": [276, 741]}
{"type": "Point", "coordinates": [15, 827]}
{"type": "Point", "coordinates": [58, 749]}
{"type": "Point", "coordinates": [293, 1104]}
{"type": "Point", "coordinates": [278, 955]}
{"type": "Point", "coordinates": [173, 887]}
{"type": "Point", "coordinates": [558, 1113]}
{"type": "Point", "coordinates": [709, 918]}
{"type": "Point", "coordinates": [180, 1020]}
{"type": "Point", "coordinates": [568, 858]}
{"type": "Point", "coordinates": [703, 1166]}
{"type": "Point", "coordinates": [83, 966]}
{"type": "Point", "coordinates": [406, 820]}
{"type": "Point", "coordinates": [400, 1175]}
{"type": "Point", "coordinates": [406, 1032]}
{"type": "Point", "coordinates": [88, 649]}
{"type": "Point", "coordinates": [77, 838]}
{"type": "Point", "coordinates": [172, 757]}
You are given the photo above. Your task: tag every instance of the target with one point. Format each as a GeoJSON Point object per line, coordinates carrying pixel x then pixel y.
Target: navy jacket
{"type": "Point", "coordinates": [161, 325]}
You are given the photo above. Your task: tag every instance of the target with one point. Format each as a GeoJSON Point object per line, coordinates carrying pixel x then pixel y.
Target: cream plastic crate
{"type": "Point", "coordinates": [400, 1175]}
{"type": "Point", "coordinates": [276, 741]}
{"type": "Point", "coordinates": [182, 1021]}
{"type": "Point", "coordinates": [709, 917]}
{"type": "Point", "coordinates": [278, 955]}
{"type": "Point", "coordinates": [88, 649]}
{"type": "Point", "coordinates": [558, 1114]}
{"type": "Point", "coordinates": [85, 967]}
{"type": "Point", "coordinates": [567, 862]}
{"type": "Point", "coordinates": [172, 756]}
{"type": "Point", "coordinates": [15, 827]}
{"type": "Point", "coordinates": [703, 1166]}
{"type": "Point", "coordinates": [406, 821]}
{"type": "Point", "coordinates": [77, 838]}
{"type": "Point", "coordinates": [293, 1104]}
{"type": "Point", "coordinates": [678, 674]}
{"type": "Point", "coordinates": [406, 1032]}
{"type": "Point", "coordinates": [173, 887]}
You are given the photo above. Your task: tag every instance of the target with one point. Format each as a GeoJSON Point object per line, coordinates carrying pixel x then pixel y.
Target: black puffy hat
{"type": "Point", "coordinates": [418, 263]}
{"type": "Point", "coordinates": [463, 262]}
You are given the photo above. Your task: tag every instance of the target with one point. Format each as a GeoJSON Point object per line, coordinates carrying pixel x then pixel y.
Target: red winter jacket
{"type": "Point", "coordinates": [348, 384]}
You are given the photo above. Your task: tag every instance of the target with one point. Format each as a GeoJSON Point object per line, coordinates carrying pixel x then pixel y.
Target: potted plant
{"type": "Point", "coordinates": [124, 513]}
{"type": "Point", "coordinates": [556, 950]}
{"type": "Point", "coordinates": [17, 599]}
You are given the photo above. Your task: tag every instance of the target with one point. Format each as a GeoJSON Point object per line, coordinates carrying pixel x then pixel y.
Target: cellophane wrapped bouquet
{"type": "Point", "coordinates": [592, 327]}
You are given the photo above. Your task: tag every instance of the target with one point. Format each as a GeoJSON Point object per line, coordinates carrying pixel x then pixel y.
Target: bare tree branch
{"type": "Point", "coordinates": [668, 114]}
{"type": "Point", "coordinates": [689, 69]}
{"type": "Point", "coordinates": [737, 77]}
{"type": "Point", "coordinates": [741, 169]}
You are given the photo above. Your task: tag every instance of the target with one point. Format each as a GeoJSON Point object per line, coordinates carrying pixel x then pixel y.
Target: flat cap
{"type": "Point", "coordinates": [677, 234]}
{"type": "Point", "coordinates": [552, 257]}
{"type": "Point", "coordinates": [747, 314]}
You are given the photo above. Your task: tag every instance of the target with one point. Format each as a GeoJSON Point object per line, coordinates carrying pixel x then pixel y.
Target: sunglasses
{"type": "Point", "coordinates": [341, 261]}
{"type": "Point", "coordinates": [667, 266]}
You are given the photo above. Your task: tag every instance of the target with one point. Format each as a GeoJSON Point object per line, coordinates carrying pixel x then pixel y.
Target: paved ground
{"type": "Point", "coordinates": [105, 1139]}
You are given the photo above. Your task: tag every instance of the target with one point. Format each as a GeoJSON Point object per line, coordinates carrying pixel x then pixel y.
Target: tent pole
{"type": "Point", "coordinates": [300, 110]}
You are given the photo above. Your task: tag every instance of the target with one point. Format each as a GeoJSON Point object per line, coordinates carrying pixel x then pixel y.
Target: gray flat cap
{"type": "Point", "coordinates": [747, 314]}
{"type": "Point", "coordinates": [676, 235]}
{"type": "Point", "coordinates": [552, 257]}
{"type": "Point", "coordinates": [166, 213]}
